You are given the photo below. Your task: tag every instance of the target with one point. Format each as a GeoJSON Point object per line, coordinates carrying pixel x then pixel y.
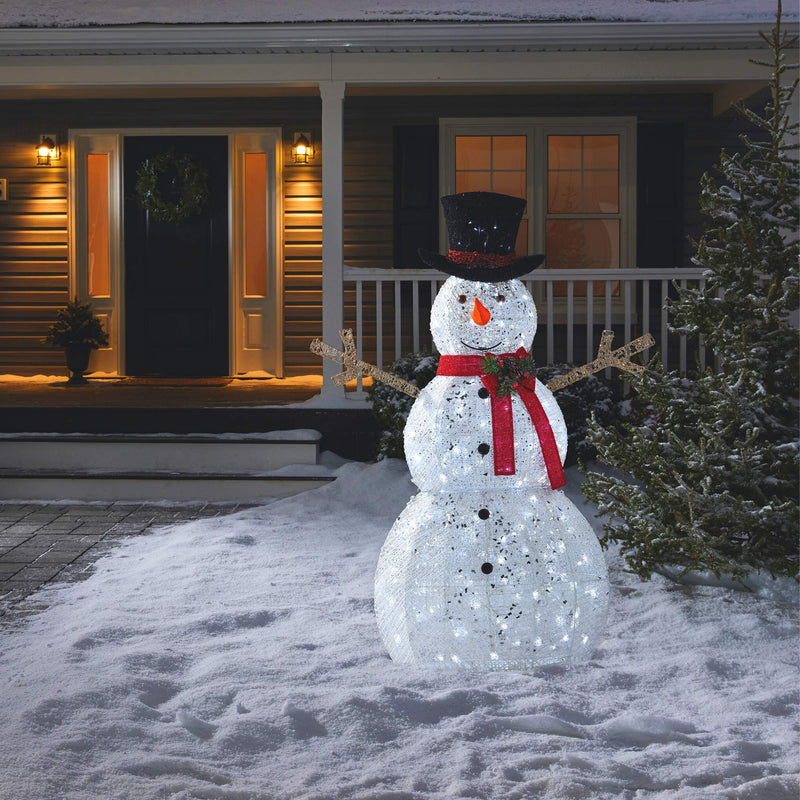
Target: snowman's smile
{"type": "Point", "coordinates": [473, 347]}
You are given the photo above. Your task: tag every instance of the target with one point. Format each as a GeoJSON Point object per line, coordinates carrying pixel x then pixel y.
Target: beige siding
{"type": "Point", "coordinates": [33, 256]}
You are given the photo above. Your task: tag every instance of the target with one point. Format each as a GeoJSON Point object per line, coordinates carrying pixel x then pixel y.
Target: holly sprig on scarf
{"type": "Point", "coordinates": [509, 371]}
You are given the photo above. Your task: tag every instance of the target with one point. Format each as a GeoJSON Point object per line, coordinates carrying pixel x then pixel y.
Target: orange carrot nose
{"type": "Point", "coordinates": [480, 314]}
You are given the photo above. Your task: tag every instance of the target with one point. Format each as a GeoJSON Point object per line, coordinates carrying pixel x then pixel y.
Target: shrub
{"type": "Point", "coordinates": [76, 324]}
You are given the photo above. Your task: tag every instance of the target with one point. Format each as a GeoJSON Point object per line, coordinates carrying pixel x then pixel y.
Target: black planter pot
{"type": "Point", "coordinates": [77, 363]}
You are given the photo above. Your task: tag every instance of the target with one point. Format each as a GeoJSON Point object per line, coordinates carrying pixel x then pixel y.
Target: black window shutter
{"type": "Point", "coordinates": [416, 193]}
{"type": "Point", "coordinates": [659, 211]}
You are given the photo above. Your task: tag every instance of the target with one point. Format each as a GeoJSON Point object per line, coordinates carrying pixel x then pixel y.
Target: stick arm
{"type": "Point", "coordinates": [619, 358]}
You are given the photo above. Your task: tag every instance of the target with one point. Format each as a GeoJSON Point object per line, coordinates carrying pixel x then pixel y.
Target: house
{"type": "Point", "coordinates": [172, 193]}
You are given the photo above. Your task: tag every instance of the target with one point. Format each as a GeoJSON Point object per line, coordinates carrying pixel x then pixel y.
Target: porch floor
{"type": "Point", "coordinates": [158, 392]}
{"type": "Point", "coordinates": [120, 406]}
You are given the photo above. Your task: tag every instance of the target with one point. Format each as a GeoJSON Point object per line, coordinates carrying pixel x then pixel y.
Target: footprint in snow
{"type": "Point", "coordinates": [154, 693]}
{"type": "Point", "coordinates": [195, 726]}
{"type": "Point", "coordinates": [644, 730]}
{"type": "Point", "coordinates": [304, 723]}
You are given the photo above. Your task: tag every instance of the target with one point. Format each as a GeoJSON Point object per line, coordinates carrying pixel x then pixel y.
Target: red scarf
{"type": "Point", "coordinates": [502, 419]}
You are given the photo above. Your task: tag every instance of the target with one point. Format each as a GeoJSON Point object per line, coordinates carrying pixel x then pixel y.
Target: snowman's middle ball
{"type": "Point", "coordinates": [511, 325]}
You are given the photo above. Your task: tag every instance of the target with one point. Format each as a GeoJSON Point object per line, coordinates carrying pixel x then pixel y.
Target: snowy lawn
{"type": "Point", "coordinates": [238, 657]}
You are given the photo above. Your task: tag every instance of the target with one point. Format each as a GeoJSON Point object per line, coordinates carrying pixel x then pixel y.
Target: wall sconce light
{"type": "Point", "coordinates": [47, 150]}
{"type": "Point", "coordinates": [302, 149]}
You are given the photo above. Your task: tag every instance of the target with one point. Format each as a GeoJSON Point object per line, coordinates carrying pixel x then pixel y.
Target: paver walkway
{"type": "Point", "coordinates": [41, 542]}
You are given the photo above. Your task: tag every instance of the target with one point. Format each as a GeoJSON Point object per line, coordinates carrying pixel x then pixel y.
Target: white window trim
{"type": "Point", "coordinates": [536, 129]}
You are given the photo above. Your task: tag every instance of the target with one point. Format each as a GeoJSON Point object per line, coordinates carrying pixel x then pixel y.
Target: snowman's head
{"type": "Point", "coordinates": [473, 317]}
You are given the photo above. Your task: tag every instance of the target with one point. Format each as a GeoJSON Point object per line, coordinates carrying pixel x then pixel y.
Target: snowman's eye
{"type": "Point", "coordinates": [500, 298]}
{"type": "Point", "coordinates": [462, 298]}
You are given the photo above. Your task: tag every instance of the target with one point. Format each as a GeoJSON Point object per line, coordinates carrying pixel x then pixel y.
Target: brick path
{"type": "Point", "coordinates": [41, 542]}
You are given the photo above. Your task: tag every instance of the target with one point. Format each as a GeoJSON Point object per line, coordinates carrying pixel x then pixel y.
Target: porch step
{"type": "Point", "coordinates": [351, 433]}
{"type": "Point", "coordinates": [184, 453]}
{"type": "Point", "coordinates": [80, 466]}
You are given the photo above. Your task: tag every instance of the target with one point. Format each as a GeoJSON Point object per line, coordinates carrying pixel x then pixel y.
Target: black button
{"type": "Point", "coordinates": [483, 392]}
{"type": "Point", "coordinates": [486, 568]}
{"type": "Point", "coordinates": [484, 513]}
{"type": "Point", "coordinates": [483, 448]}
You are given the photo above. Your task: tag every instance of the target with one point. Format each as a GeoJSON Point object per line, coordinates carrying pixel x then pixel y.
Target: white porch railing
{"type": "Point", "coordinates": [390, 312]}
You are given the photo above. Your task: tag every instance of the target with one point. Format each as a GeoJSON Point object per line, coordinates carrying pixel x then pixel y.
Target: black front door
{"type": "Point", "coordinates": [176, 255]}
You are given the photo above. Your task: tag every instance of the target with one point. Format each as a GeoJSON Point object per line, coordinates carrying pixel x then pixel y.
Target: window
{"type": "Point", "coordinates": [577, 176]}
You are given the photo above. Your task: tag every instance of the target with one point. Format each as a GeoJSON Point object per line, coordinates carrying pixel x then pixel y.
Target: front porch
{"type": "Point", "coordinates": [340, 233]}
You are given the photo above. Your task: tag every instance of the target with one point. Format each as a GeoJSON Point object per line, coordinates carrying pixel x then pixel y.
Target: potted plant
{"type": "Point", "coordinates": [78, 331]}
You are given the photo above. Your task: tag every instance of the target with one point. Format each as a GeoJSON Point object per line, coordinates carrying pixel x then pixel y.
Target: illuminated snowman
{"type": "Point", "coordinates": [488, 566]}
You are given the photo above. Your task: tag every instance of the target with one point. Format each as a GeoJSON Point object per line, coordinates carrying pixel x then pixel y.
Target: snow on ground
{"type": "Point", "coordinates": [71, 13]}
{"type": "Point", "coordinates": [238, 658]}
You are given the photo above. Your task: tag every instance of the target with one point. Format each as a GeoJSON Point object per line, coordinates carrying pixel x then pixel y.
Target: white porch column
{"type": "Point", "coordinates": [332, 93]}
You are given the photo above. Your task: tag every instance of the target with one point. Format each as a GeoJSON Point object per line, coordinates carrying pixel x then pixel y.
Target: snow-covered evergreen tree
{"type": "Point", "coordinates": [713, 456]}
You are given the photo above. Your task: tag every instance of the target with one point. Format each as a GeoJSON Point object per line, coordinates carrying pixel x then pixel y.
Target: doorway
{"type": "Point", "coordinates": [176, 255]}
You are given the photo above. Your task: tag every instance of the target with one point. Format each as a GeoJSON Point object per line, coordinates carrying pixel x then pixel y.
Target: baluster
{"type": "Point", "coordinates": [664, 343]}
{"type": "Point", "coordinates": [589, 319]}
{"type": "Point", "coordinates": [682, 356]}
{"type": "Point", "coordinates": [645, 315]}
{"type": "Point", "coordinates": [415, 315]}
{"type": "Point", "coordinates": [434, 291]}
{"type": "Point", "coordinates": [379, 323]}
{"type": "Point", "coordinates": [550, 334]}
{"type": "Point", "coordinates": [398, 333]}
{"type": "Point", "coordinates": [701, 342]}
{"type": "Point", "coordinates": [570, 320]}
{"type": "Point", "coordinates": [608, 320]}
{"type": "Point", "coordinates": [359, 330]}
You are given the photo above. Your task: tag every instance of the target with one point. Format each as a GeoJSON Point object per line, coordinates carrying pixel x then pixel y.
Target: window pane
{"type": "Point", "coordinates": [473, 182]}
{"type": "Point", "coordinates": [564, 152]}
{"type": "Point", "coordinates": [512, 183]}
{"type": "Point", "coordinates": [564, 192]}
{"type": "Point", "coordinates": [601, 152]}
{"type": "Point", "coordinates": [255, 224]}
{"type": "Point", "coordinates": [508, 152]}
{"type": "Point", "coordinates": [601, 243]}
{"type": "Point", "coordinates": [473, 152]}
{"type": "Point", "coordinates": [521, 245]}
{"type": "Point", "coordinates": [600, 192]}
{"type": "Point", "coordinates": [563, 243]}
{"type": "Point", "coordinates": [97, 229]}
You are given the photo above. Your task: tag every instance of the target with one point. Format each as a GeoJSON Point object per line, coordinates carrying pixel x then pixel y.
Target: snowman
{"type": "Point", "coordinates": [490, 566]}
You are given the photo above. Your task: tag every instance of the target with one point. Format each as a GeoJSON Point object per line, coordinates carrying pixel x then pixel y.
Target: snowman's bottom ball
{"type": "Point", "coordinates": [491, 581]}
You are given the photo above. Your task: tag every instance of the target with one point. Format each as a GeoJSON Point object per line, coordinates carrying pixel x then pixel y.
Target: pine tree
{"type": "Point", "coordinates": [713, 456]}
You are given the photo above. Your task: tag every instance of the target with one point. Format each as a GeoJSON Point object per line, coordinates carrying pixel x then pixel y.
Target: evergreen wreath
{"type": "Point", "coordinates": [189, 177]}
{"type": "Point", "coordinates": [509, 371]}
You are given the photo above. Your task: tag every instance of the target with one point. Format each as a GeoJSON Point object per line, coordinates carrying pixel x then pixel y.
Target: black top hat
{"type": "Point", "coordinates": [481, 231]}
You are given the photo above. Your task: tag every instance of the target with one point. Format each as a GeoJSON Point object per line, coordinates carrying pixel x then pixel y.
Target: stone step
{"type": "Point", "coordinates": [196, 453]}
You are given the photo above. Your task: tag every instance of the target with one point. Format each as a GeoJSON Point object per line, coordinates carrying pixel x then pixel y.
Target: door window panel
{"type": "Point", "coordinates": [255, 224]}
{"type": "Point", "coordinates": [99, 265]}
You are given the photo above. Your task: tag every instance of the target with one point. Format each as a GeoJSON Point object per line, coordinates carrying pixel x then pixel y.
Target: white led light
{"type": "Point", "coordinates": [508, 572]}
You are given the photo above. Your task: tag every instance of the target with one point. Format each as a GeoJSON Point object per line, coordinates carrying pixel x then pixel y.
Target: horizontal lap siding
{"type": "Point", "coordinates": [33, 256]}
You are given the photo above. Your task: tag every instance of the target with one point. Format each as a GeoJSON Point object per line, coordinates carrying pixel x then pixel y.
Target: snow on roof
{"type": "Point", "coordinates": [81, 13]}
